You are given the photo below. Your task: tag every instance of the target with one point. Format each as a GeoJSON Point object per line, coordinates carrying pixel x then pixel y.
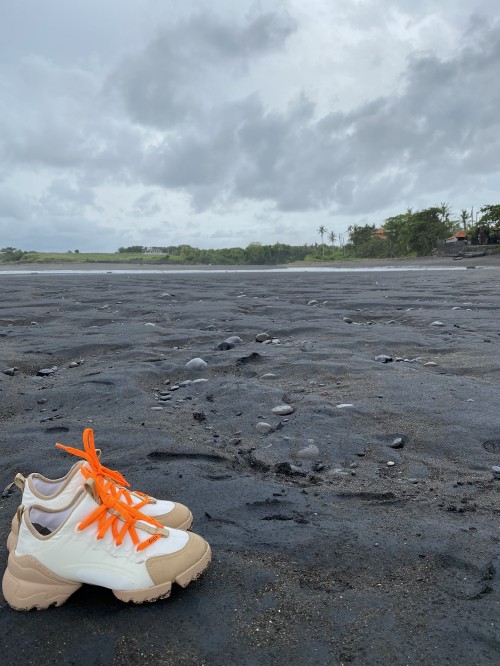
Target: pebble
{"type": "Point", "coordinates": [73, 364]}
{"type": "Point", "coordinates": [457, 307]}
{"type": "Point", "coordinates": [313, 302]}
{"type": "Point", "coordinates": [10, 372]}
{"type": "Point", "coordinates": [186, 382]}
{"type": "Point", "coordinates": [46, 372]}
{"type": "Point", "coordinates": [344, 405]}
{"type": "Point", "coordinates": [235, 441]}
{"type": "Point", "coordinates": [383, 358]}
{"type": "Point", "coordinates": [199, 381]}
{"type": "Point", "coordinates": [262, 426]}
{"type": "Point", "coordinates": [390, 463]}
{"type": "Point", "coordinates": [430, 364]}
{"type": "Point", "coordinates": [196, 364]}
{"type": "Point", "coordinates": [156, 409]}
{"type": "Point", "coordinates": [437, 323]}
{"type": "Point", "coordinates": [175, 387]}
{"type": "Point", "coordinates": [234, 340]}
{"type": "Point", "coordinates": [347, 320]}
{"type": "Point", "coordinates": [496, 471]}
{"type": "Point", "coordinates": [260, 337]}
{"type": "Point", "coordinates": [149, 323]}
{"type": "Point", "coordinates": [282, 410]}
{"type": "Point", "coordinates": [268, 375]}
{"type": "Point", "coordinates": [398, 443]}
{"type": "Point", "coordinates": [310, 452]}
{"type": "Point", "coordinates": [224, 346]}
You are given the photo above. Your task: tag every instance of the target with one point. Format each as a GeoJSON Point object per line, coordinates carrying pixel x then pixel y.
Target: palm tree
{"type": "Point", "coordinates": [444, 212]}
{"type": "Point", "coordinates": [331, 237]}
{"type": "Point", "coordinates": [464, 218]}
{"type": "Point", "coordinates": [322, 231]}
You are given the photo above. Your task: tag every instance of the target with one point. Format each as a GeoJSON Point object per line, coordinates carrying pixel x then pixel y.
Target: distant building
{"type": "Point", "coordinates": [153, 250]}
{"type": "Point", "coordinates": [381, 234]}
{"type": "Point", "coordinates": [459, 237]}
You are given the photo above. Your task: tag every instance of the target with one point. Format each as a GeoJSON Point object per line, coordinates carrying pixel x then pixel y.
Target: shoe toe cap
{"type": "Point", "coordinates": [182, 566]}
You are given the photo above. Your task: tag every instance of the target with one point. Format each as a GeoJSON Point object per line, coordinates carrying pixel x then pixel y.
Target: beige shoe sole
{"type": "Point", "coordinates": [28, 584]}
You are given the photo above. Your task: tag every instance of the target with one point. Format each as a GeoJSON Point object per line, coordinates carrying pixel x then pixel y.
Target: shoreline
{"type": "Point", "coordinates": [419, 262]}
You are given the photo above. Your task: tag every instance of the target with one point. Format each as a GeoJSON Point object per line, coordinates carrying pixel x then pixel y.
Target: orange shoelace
{"type": "Point", "coordinates": [98, 471]}
{"type": "Point", "coordinates": [120, 517]}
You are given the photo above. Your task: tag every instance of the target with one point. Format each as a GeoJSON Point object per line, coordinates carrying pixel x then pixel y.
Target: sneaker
{"type": "Point", "coordinates": [58, 493]}
{"type": "Point", "coordinates": [100, 540]}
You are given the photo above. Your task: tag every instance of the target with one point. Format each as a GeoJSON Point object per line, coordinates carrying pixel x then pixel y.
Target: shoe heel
{"type": "Point", "coordinates": [29, 584]}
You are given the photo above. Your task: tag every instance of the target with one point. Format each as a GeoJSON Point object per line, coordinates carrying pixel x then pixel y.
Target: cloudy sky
{"type": "Point", "coordinates": [159, 122]}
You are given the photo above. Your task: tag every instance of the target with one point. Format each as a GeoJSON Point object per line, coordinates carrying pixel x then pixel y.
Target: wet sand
{"type": "Point", "coordinates": [339, 559]}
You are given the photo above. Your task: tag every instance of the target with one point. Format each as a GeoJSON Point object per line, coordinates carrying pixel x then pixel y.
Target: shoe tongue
{"type": "Point", "coordinates": [89, 486]}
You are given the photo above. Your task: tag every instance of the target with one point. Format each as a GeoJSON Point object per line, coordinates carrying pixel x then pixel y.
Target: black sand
{"type": "Point", "coordinates": [340, 560]}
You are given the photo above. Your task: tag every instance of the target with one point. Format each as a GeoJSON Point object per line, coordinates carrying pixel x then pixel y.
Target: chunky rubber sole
{"type": "Point", "coordinates": [28, 584]}
{"type": "Point", "coordinates": [14, 530]}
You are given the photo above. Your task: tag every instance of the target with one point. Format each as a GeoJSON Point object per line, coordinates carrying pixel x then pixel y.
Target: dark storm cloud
{"type": "Point", "coordinates": [168, 83]}
{"type": "Point", "coordinates": [444, 122]}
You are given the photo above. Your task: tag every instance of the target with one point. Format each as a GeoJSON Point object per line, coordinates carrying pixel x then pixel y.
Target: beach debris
{"type": "Point", "coordinates": [437, 323]}
{"type": "Point", "coordinates": [397, 443]}
{"type": "Point", "coordinates": [10, 372]}
{"type": "Point", "coordinates": [234, 340]}
{"type": "Point", "coordinates": [262, 426]}
{"type": "Point", "coordinates": [261, 337]}
{"type": "Point", "coordinates": [345, 405]}
{"type": "Point", "coordinates": [46, 372]}
{"type": "Point", "coordinates": [430, 364]}
{"type": "Point", "coordinates": [383, 358]}
{"type": "Point", "coordinates": [310, 452]}
{"type": "Point", "coordinates": [313, 302]}
{"type": "Point", "coordinates": [197, 364]}
{"type": "Point", "coordinates": [283, 410]}
{"type": "Point", "coordinates": [347, 320]}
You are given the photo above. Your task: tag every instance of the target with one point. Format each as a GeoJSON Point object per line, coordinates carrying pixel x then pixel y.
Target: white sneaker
{"type": "Point", "coordinates": [98, 540]}
{"type": "Point", "coordinates": [58, 493]}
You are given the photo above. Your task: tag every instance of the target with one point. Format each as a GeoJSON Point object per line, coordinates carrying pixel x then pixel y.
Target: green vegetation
{"type": "Point", "coordinates": [405, 235]}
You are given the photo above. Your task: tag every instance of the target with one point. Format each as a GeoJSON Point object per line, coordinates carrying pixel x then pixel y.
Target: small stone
{"type": "Point", "coordinates": [310, 452]}
{"type": "Point", "coordinates": [234, 340]}
{"type": "Point", "coordinates": [156, 409]}
{"type": "Point", "coordinates": [175, 387]}
{"type": "Point", "coordinates": [457, 307]}
{"type": "Point", "coordinates": [261, 337]}
{"type": "Point", "coordinates": [186, 382]}
{"type": "Point", "coordinates": [282, 410]}
{"type": "Point", "coordinates": [235, 441]}
{"type": "Point", "coordinates": [496, 471]}
{"type": "Point", "coordinates": [10, 372]}
{"type": "Point", "coordinates": [437, 323]}
{"type": "Point", "coordinates": [262, 426]}
{"type": "Point", "coordinates": [73, 364]}
{"type": "Point", "coordinates": [149, 323]}
{"type": "Point", "coordinates": [347, 320]}
{"type": "Point", "coordinates": [383, 358]}
{"type": "Point", "coordinates": [46, 372]}
{"type": "Point", "coordinates": [398, 443]}
{"type": "Point", "coordinates": [199, 416]}
{"type": "Point", "coordinates": [224, 346]}
{"type": "Point", "coordinates": [197, 364]}
{"type": "Point", "coordinates": [313, 302]}
{"type": "Point", "coordinates": [199, 381]}
{"type": "Point", "coordinates": [390, 463]}
{"type": "Point", "coordinates": [268, 375]}
{"type": "Point", "coordinates": [345, 405]}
